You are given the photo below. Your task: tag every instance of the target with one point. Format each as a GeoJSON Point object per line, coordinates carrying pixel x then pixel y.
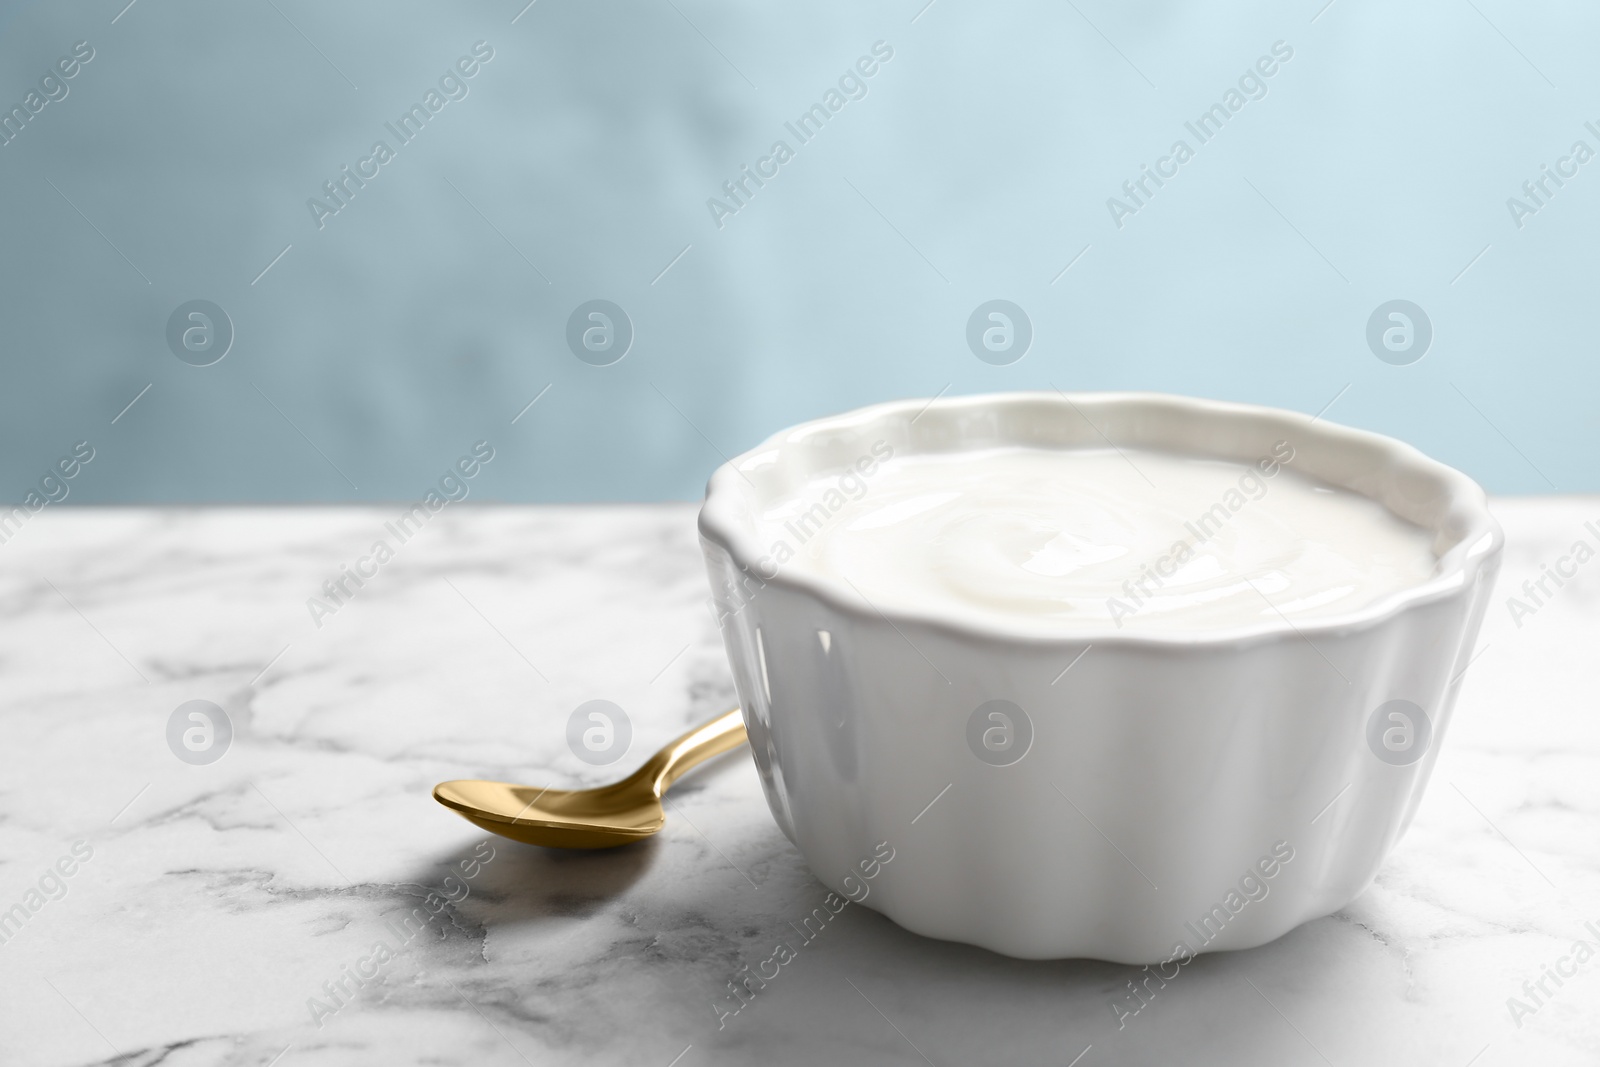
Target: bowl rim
{"type": "Point", "coordinates": [1479, 544]}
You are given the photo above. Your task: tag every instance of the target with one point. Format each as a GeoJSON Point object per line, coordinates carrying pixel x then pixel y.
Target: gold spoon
{"type": "Point", "coordinates": [612, 815]}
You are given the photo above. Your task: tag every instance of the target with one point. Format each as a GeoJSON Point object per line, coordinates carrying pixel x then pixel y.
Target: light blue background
{"type": "Point", "coordinates": [977, 167]}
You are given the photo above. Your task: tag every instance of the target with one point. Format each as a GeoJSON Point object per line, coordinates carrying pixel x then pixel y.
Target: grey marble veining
{"type": "Point", "coordinates": [221, 907]}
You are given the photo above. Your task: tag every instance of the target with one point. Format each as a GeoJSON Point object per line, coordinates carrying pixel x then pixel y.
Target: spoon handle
{"type": "Point", "coordinates": [722, 734]}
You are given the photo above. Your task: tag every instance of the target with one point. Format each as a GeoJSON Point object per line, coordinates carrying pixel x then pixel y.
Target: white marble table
{"type": "Point", "coordinates": [218, 899]}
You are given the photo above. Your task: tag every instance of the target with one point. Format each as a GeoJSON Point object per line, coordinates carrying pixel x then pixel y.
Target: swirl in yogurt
{"type": "Point", "coordinates": [1083, 539]}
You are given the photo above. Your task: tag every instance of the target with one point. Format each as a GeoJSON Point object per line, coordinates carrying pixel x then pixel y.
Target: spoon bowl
{"type": "Point", "coordinates": [611, 815]}
{"type": "Point", "coordinates": [557, 818]}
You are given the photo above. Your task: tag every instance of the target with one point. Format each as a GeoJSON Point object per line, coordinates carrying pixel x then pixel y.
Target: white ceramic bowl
{"type": "Point", "coordinates": [1182, 792]}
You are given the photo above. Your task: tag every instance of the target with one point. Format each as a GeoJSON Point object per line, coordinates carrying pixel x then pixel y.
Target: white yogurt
{"type": "Point", "coordinates": [1085, 539]}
